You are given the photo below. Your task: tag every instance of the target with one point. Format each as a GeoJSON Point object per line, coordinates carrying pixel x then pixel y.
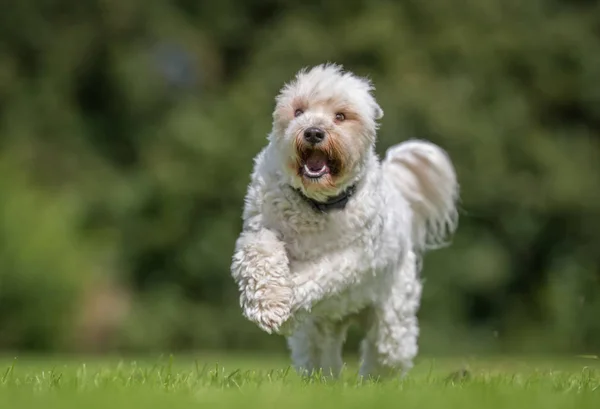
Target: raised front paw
{"type": "Point", "coordinates": [260, 268]}
{"type": "Point", "coordinates": [269, 307]}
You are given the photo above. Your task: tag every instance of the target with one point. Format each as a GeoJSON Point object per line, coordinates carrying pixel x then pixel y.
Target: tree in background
{"type": "Point", "coordinates": [127, 132]}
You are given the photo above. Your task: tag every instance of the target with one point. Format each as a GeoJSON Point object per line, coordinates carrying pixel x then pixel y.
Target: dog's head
{"type": "Point", "coordinates": [324, 125]}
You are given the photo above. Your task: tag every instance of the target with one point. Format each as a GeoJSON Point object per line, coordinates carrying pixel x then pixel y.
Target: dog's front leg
{"type": "Point", "coordinates": [328, 276]}
{"type": "Point", "coordinates": [261, 270]}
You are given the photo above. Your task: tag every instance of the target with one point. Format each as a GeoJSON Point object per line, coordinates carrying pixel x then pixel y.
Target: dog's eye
{"type": "Point", "coordinates": [340, 117]}
{"type": "Point", "coordinates": [298, 112]}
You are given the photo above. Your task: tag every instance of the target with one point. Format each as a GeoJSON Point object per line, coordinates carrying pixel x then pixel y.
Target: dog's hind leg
{"type": "Point", "coordinates": [316, 345]}
{"type": "Point", "coordinates": [392, 327]}
{"type": "Point", "coordinates": [387, 351]}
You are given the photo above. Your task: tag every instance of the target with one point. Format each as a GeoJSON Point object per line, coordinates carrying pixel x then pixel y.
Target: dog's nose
{"type": "Point", "coordinates": [314, 135]}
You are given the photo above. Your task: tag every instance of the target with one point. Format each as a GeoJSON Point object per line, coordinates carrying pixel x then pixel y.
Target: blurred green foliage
{"type": "Point", "coordinates": [127, 132]}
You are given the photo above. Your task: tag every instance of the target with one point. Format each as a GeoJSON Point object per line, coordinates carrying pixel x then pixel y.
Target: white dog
{"type": "Point", "coordinates": [331, 233]}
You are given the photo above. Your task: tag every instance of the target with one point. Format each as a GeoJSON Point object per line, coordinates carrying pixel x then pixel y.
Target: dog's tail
{"type": "Point", "coordinates": [426, 177]}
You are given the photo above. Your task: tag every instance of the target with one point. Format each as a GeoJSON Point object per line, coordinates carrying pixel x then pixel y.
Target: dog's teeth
{"type": "Point", "coordinates": [312, 172]}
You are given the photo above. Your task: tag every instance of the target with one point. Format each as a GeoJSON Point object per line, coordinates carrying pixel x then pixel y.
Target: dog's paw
{"type": "Point", "coordinates": [270, 307]}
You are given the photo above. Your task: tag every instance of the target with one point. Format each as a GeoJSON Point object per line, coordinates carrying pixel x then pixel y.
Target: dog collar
{"type": "Point", "coordinates": [333, 203]}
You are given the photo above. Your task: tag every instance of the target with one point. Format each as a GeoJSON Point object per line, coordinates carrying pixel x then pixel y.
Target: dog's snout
{"type": "Point", "coordinates": [314, 135]}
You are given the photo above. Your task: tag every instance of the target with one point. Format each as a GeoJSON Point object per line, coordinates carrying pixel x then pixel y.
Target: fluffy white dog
{"type": "Point", "coordinates": [332, 234]}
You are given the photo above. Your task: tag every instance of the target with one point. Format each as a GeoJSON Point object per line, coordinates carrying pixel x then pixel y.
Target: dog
{"type": "Point", "coordinates": [332, 234]}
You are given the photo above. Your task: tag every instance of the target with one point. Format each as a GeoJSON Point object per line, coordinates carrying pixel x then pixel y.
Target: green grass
{"type": "Point", "coordinates": [261, 382]}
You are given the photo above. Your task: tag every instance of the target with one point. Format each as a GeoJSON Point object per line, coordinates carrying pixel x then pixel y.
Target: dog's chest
{"type": "Point", "coordinates": [309, 234]}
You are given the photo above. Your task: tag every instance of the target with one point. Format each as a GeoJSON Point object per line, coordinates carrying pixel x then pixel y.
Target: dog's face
{"type": "Point", "coordinates": [324, 124]}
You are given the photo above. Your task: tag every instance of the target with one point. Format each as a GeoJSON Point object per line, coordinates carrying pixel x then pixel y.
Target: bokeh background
{"type": "Point", "coordinates": [128, 128]}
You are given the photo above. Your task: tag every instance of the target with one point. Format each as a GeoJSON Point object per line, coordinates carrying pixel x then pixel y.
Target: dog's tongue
{"type": "Point", "coordinates": [316, 162]}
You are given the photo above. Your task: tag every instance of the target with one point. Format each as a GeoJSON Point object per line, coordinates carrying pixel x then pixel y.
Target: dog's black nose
{"type": "Point", "coordinates": [314, 135]}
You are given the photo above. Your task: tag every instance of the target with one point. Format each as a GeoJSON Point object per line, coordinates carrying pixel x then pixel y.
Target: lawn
{"type": "Point", "coordinates": [261, 382]}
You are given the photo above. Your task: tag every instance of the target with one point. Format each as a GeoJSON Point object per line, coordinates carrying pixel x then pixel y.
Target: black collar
{"type": "Point", "coordinates": [333, 203]}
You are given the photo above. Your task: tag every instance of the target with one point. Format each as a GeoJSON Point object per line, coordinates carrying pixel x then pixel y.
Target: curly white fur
{"type": "Point", "coordinates": [307, 274]}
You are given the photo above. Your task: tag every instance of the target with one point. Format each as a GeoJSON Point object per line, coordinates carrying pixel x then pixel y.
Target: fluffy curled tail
{"type": "Point", "coordinates": [424, 174]}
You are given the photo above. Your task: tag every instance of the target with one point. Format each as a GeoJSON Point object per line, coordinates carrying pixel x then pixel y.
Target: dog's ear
{"type": "Point", "coordinates": [378, 112]}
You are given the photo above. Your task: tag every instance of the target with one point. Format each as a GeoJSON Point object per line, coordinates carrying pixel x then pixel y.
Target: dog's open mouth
{"type": "Point", "coordinates": [315, 164]}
